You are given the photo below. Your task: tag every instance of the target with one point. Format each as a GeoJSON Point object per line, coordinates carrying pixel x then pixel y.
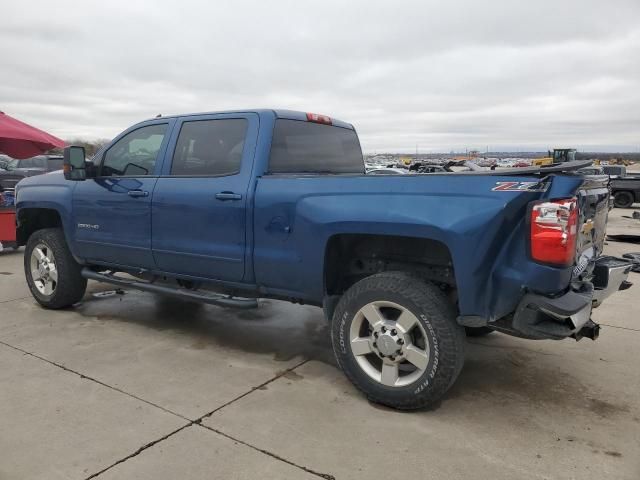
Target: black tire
{"type": "Point", "coordinates": [437, 317]}
{"type": "Point", "coordinates": [477, 331]}
{"type": "Point", "coordinates": [71, 285]}
{"type": "Point", "coordinates": [623, 199]}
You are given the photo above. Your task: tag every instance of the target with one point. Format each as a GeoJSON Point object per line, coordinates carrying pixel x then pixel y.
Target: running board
{"type": "Point", "coordinates": [210, 298]}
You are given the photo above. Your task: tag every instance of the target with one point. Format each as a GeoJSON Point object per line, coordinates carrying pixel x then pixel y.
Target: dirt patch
{"type": "Point", "coordinates": [612, 453]}
{"type": "Point", "coordinates": [199, 345]}
{"type": "Point", "coordinates": [291, 375]}
{"type": "Point", "coordinates": [506, 376]}
{"type": "Point", "coordinates": [605, 409]}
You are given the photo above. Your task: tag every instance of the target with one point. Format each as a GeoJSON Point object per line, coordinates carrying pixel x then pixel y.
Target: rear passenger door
{"type": "Point", "coordinates": [199, 205]}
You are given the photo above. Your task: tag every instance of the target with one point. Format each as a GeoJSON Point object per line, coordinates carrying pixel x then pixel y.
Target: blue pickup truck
{"type": "Point", "coordinates": [228, 207]}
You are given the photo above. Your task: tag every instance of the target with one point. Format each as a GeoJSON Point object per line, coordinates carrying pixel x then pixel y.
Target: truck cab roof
{"type": "Point", "coordinates": [274, 113]}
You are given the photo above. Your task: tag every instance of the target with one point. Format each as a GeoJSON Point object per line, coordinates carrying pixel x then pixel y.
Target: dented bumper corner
{"type": "Point", "coordinates": [569, 315]}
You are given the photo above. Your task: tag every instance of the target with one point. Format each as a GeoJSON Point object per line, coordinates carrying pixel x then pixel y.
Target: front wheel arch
{"type": "Point", "coordinates": [31, 220]}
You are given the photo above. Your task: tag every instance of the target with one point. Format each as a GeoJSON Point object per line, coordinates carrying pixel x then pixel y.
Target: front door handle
{"type": "Point", "coordinates": [224, 196]}
{"type": "Point", "coordinates": [138, 193]}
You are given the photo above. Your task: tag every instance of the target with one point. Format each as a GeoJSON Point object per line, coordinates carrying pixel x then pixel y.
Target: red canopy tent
{"type": "Point", "coordinates": [19, 140]}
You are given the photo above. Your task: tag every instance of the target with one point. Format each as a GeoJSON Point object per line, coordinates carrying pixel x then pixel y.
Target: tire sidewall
{"type": "Point", "coordinates": [344, 317]}
{"type": "Point", "coordinates": [71, 285]}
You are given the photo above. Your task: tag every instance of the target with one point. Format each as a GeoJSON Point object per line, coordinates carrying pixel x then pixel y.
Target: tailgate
{"type": "Point", "coordinates": [593, 204]}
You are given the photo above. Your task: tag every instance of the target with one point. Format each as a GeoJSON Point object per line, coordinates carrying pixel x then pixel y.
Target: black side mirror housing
{"type": "Point", "coordinates": [74, 164]}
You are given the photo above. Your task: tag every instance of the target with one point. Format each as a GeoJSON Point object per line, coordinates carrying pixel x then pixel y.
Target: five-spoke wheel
{"type": "Point", "coordinates": [389, 343]}
{"type": "Point", "coordinates": [43, 269]}
{"type": "Point", "coordinates": [396, 338]}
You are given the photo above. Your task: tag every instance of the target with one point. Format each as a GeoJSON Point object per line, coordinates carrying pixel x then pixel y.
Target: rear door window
{"type": "Point", "coordinates": [210, 147]}
{"type": "Point", "coordinates": [307, 147]}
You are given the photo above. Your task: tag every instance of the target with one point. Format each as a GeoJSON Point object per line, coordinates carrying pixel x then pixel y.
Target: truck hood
{"type": "Point", "coordinates": [51, 178]}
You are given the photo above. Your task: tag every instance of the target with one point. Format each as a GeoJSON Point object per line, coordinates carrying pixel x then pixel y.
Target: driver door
{"type": "Point", "coordinates": [112, 212]}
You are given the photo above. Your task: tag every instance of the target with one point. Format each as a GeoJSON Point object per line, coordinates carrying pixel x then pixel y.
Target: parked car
{"type": "Point", "coordinates": [592, 170]}
{"type": "Point", "coordinates": [387, 171]}
{"type": "Point", "coordinates": [4, 161]}
{"type": "Point", "coordinates": [224, 208]}
{"type": "Point", "coordinates": [16, 170]}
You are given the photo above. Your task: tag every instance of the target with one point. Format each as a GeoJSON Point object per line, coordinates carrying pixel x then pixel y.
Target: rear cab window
{"type": "Point", "coordinates": [306, 147]}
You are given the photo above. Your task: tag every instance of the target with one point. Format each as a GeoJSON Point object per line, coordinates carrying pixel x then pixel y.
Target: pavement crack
{"type": "Point", "coordinates": [326, 476]}
{"type": "Point", "coordinates": [139, 451]}
{"type": "Point", "coordinates": [197, 421]}
{"type": "Point", "coordinates": [280, 374]}
{"type": "Point", "coordinates": [86, 377]}
{"type": "Point", "coordinates": [621, 328]}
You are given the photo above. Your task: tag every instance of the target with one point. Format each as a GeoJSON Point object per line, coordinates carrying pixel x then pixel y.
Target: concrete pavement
{"type": "Point", "coordinates": [137, 386]}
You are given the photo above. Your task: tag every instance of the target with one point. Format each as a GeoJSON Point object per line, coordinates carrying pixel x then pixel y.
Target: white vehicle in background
{"type": "Point", "coordinates": [387, 171]}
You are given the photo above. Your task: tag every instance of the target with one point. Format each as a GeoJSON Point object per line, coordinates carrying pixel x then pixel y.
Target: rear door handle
{"type": "Point", "coordinates": [138, 193]}
{"type": "Point", "coordinates": [224, 196]}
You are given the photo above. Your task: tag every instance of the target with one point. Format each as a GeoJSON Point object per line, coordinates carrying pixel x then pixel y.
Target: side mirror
{"type": "Point", "coordinates": [74, 166]}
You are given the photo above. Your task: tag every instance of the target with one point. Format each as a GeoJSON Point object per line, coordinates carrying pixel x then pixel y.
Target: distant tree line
{"type": "Point", "coordinates": [90, 146]}
{"type": "Point", "coordinates": [632, 157]}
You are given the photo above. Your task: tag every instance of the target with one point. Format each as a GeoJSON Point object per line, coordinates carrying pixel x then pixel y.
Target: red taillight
{"type": "Point", "coordinates": [554, 229]}
{"type": "Point", "coordinates": [317, 118]}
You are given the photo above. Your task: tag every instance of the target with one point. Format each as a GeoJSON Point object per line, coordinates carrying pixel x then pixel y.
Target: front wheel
{"type": "Point", "coordinates": [52, 273]}
{"type": "Point", "coordinates": [396, 338]}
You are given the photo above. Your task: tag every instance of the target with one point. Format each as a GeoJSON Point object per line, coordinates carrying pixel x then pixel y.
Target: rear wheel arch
{"type": "Point", "coordinates": [351, 257]}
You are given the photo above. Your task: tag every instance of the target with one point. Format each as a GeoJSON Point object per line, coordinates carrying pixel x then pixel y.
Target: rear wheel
{"type": "Point", "coordinates": [396, 338]}
{"type": "Point", "coordinates": [52, 273]}
{"type": "Point", "coordinates": [623, 199]}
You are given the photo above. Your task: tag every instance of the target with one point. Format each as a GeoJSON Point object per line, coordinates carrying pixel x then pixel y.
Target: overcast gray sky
{"type": "Point", "coordinates": [440, 74]}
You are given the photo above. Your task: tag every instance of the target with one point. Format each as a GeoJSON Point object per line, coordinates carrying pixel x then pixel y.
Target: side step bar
{"type": "Point", "coordinates": [204, 297]}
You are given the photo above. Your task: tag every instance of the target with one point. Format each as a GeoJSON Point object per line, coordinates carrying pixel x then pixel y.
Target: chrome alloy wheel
{"type": "Point", "coordinates": [389, 343]}
{"type": "Point", "coordinates": [43, 269]}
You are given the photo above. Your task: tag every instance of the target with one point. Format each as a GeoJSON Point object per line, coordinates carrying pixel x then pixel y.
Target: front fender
{"type": "Point", "coordinates": [50, 192]}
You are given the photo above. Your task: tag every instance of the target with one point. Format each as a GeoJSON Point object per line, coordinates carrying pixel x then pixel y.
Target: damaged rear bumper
{"type": "Point", "coordinates": [569, 315]}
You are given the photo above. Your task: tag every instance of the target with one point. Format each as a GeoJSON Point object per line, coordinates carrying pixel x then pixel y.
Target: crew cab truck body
{"type": "Point", "coordinates": [228, 207]}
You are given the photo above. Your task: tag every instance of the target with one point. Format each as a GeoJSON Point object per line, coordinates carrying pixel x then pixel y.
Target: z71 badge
{"type": "Point", "coordinates": [520, 187]}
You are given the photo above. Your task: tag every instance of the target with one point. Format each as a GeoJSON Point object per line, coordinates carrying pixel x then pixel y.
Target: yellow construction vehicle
{"type": "Point", "coordinates": [559, 155]}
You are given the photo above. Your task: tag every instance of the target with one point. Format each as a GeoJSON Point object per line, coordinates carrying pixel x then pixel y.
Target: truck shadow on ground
{"type": "Point", "coordinates": [275, 328]}
{"type": "Point", "coordinates": [501, 374]}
